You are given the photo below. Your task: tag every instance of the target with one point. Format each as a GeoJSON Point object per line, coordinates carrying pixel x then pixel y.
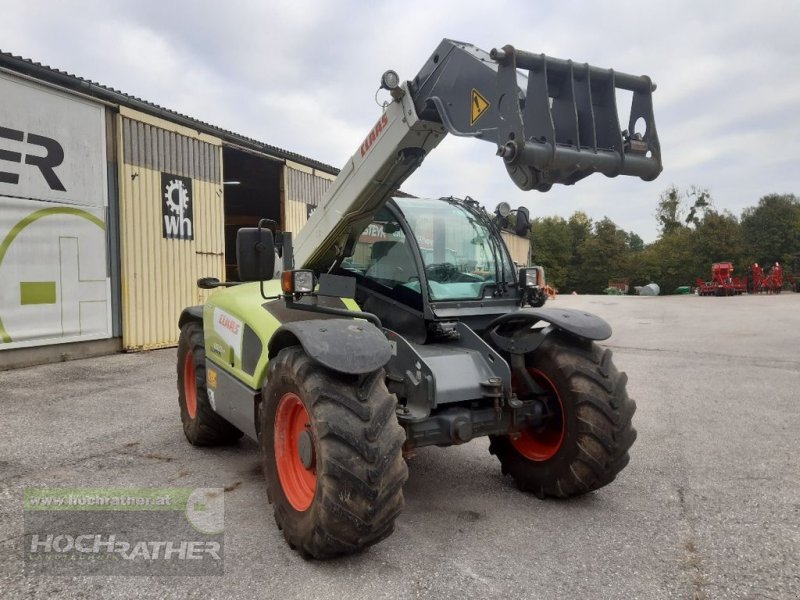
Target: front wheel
{"type": "Point", "coordinates": [331, 450]}
{"type": "Point", "coordinates": [583, 444]}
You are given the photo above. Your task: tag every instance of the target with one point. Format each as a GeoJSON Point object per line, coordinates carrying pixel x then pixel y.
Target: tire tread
{"type": "Point", "coordinates": [603, 413]}
{"type": "Point", "coordinates": [360, 467]}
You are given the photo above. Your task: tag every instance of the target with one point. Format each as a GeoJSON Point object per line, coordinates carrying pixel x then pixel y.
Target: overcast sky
{"type": "Point", "coordinates": [303, 76]}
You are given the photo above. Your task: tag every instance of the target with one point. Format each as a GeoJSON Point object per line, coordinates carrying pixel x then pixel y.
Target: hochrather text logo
{"type": "Point", "coordinates": [137, 531]}
{"type": "Point", "coordinates": [176, 207]}
{"type": "Point", "coordinates": [53, 156]}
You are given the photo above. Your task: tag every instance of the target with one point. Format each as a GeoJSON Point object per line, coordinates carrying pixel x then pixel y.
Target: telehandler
{"type": "Point", "coordinates": [396, 323]}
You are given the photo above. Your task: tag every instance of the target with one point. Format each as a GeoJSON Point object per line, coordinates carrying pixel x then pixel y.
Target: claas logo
{"type": "Point", "coordinates": [374, 134]}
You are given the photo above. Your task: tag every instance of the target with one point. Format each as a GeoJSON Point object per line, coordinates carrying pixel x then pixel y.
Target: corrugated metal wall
{"type": "Point", "coordinates": [519, 247]}
{"type": "Point", "coordinates": [303, 187]}
{"type": "Point", "coordinates": [159, 275]}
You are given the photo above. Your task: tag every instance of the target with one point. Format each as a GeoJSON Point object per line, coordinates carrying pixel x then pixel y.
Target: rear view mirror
{"type": "Point", "coordinates": [255, 254]}
{"type": "Point", "coordinates": [523, 223]}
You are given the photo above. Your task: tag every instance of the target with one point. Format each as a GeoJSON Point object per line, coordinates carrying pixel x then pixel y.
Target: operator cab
{"type": "Point", "coordinates": [424, 261]}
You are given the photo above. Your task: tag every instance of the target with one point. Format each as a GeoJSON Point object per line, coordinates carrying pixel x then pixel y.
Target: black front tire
{"type": "Point", "coordinates": [357, 462]}
{"type": "Point", "coordinates": [201, 425]}
{"type": "Point", "coordinates": [596, 414]}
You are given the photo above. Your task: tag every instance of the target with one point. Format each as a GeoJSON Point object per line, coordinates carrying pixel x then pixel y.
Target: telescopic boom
{"type": "Point", "coordinates": [551, 121]}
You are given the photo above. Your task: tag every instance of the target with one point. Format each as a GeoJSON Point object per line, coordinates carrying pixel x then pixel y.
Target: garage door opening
{"type": "Point", "coordinates": [252, 185]}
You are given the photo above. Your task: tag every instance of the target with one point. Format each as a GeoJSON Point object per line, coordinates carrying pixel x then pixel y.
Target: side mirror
{"type": "Point", "coordinates": [523, 225]}
{"type": "Point", "coordinates": [208, 283]}
{"type": "Point", "coordinates": [255, 254]}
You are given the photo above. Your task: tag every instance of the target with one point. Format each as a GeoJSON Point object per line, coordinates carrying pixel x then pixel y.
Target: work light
{"type": "Point", "coordinates": [503, 209]}
{"type": "Point", "coordinates": [529, 277]}
{"type": "Point", "coordinates": [390, 80]}
{"type": "Point", "coordinates": [300, 281]}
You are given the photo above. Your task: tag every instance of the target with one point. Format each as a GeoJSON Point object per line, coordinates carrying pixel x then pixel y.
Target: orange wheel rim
{"type": "Point", "coordinates": [190, 386]}
{"type": "Point", "coordinates": [298, 478]}
{"type": "Point", "coordinates": [543, 442]}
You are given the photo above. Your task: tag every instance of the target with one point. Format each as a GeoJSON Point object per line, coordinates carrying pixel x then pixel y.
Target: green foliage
{"type": "Point", "coordinates": [634, 242]}
{"type": "Point", "coordinates": [718, 237]}
{"type": "Point", "coordinates": [672, 205]}
{"type": "Point", "coordinates": [581, 255]}
{"type": "Point", "coordinates": [689, 245]}
{"type": "Point", "coordinates": [601, 256]}
{"type": "Point", "coordinates": [669, 261]}
{"type": "Point", "coordinates": [772, 229]}
{"type": "Point", "coordinates": [668, 211]}
{"type": "Point", "coordinates": [581, 227]}
{"type": "Point", "coordinates": [551, 242]}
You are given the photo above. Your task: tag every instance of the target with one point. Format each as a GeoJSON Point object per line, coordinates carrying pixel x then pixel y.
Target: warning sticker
{"type": "Point", "coordinates": [479, 106]}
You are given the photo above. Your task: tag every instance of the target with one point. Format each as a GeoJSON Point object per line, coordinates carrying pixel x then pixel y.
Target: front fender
{"type": "Point", "coordinates": [342, 345]}
{"type": "Point", "coordinates": [576, 322]}
{"type": "Point", "coordinates": [190, 313]}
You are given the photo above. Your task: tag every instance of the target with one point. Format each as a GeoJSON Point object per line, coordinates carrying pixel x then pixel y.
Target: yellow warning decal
{"type": "Point", "coordinates": [211, 377]}
{"type": "Point", "coordinates": [479, 106]}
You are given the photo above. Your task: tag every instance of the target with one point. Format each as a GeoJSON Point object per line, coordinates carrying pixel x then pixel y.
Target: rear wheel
{"type": "Point", "coordinates": [584, 442]}
{"type": "Point", "coordinates": [332, 456]}
{"type": "Point", "coordinates": [201, 425]}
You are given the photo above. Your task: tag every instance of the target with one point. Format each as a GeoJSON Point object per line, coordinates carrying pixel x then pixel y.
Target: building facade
{"type": "Point", "coordinates": [111, 208]}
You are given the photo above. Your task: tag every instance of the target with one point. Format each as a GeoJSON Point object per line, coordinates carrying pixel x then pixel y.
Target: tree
{"type": "Point", "coordinates": [718, 237]}
{"type": "Point", "coordinates": [673, 205]}
{"type": "Point", "coordinates": [772, 229]}
{"type": "Point", "coordinates": [670, 261]}
{"type": "Point", "coordinates": [603, 255]}
{"type": "Point", "coordinates": [668, 211]}
{"type": "Point", "coordinates": [551, 247]}
{"type": "Point", "coordinates": [580, 226]}
{"type": "Point", "coordinates": [634, 242]}
{"type": "Point", "coordinates": [701, 203]}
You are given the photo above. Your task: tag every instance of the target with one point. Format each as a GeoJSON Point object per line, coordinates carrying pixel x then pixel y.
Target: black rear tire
{"type": "Point", "coordinates": [356, 463]}
{"type": "Point", "coordinates": [596, 412]}
{"type": "Point", "coordinates": [201, 425]}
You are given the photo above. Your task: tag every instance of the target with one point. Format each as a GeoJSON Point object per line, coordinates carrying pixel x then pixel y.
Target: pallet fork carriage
{"type": "Point", "coordinates": [397, 323]}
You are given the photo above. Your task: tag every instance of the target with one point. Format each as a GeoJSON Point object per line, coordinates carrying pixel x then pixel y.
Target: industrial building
{"type": "Point", "coordinates": [111, 208]}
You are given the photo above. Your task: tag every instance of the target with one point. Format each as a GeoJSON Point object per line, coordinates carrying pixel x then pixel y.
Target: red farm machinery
{"type": "Point", "coordinates": [722, 283]}
{"type": "Point", "coordinates": [761, 281]}
{"type": "Point", "coordinates": [757, 281]}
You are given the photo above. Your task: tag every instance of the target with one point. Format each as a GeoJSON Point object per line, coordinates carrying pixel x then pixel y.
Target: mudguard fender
{"type": "Point", "coordinates": [342, 345]}
{"type": "Point", "coordinates": [577, 322]}
{"type": "Point", "coordinates": [190, 313]}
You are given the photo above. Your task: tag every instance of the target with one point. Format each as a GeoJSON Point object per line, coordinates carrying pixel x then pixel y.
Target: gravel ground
{"type": "Point", "coordinates": [708, 508]}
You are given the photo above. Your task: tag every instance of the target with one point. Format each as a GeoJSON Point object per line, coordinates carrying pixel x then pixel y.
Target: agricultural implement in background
{"type": "Point", "coordinates": [761, 282]}
{"type": "Point", "coordinates": [722, 283]}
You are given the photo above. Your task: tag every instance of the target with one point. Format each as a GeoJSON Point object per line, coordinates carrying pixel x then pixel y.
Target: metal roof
{"type": "Point", "coordinates": [90, 88]}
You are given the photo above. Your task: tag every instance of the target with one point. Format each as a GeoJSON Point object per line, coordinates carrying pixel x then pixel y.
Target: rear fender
{"type": "Point", "coordinates": [353, 347]}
